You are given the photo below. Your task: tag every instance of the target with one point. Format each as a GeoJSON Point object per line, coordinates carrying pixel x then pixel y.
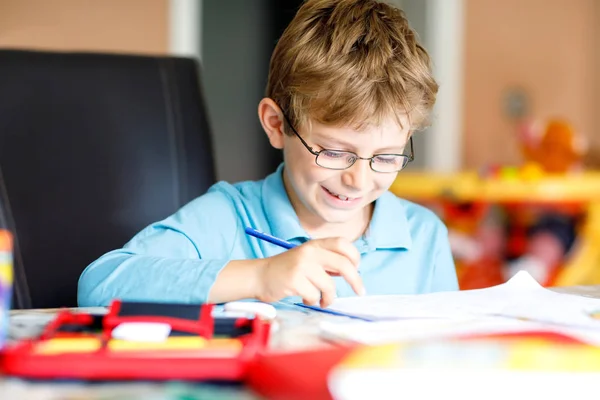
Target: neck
{"type": "Point", "coordinates": [350, 230]}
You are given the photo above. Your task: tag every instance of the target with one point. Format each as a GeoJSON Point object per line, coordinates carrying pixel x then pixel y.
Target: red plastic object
{"type": "Point", "coordinates": [303, 375]}
{"type": "Point", "coordinates": [228, 364]}
{"type": "Point", "coordinates": [298, 375]}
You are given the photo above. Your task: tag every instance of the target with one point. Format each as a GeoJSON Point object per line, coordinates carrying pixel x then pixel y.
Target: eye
{"type": "Point", "coordinates": [332, 154]}
{"type": "Point", "coordinates": [383, 159]}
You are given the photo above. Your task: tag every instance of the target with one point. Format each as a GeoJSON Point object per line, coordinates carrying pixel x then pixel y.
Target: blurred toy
{"type": "Point", "coordinates": [540, 247]}
{"type": "Point", "coordinates": [555, 147]}
{"type": "Point", "coordinates": [549, 242]}
{"type": "Point", "coordinates": [529, 201]}
{"type": "Point", "coordinates": [531, 172]}
{"type": "Point", "coordinates": [582, 264]}
{"type": "Point", "coordinates": [479, 254]}
{"type": "Point", "coordinates": [464, 217]}
{"type": "Point", "coordinates": [592, 158]}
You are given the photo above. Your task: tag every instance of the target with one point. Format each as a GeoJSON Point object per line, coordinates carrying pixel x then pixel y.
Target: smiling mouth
{"type": "Point", "coordinates": [340, 196]}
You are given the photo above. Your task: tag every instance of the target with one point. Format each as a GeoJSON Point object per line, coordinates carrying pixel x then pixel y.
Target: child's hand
{"type": "Point", "coordinates": [305, 271]}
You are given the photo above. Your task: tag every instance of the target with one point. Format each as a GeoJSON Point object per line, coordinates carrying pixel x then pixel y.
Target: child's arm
{"type": "Point", "coordinates": [302, 271]}
{"type": "Point", "coordinates": [176, 259]}
{"type": "Point", "coordinates": [200, 254]}
{"type": "Point", "coordinates": [163, 265]}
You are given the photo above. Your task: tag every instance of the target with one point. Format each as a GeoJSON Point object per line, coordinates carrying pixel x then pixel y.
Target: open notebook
{"type": "Point", "coordinates": [413, 353]}
{"type": "Point", "coordinates": [520, 297]}
{"type": "Point", "coordinates": [519, 304]}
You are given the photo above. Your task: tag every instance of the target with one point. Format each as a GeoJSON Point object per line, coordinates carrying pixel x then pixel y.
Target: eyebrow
{"type": "Point", "coordinates": [340, 145]}
{"type": "Point", "coordinates": [324, 138]}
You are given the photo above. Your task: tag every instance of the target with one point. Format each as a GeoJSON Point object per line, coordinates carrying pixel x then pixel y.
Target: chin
{"type": "Point", "coordinates": [335, 219]}
{"type": "Point", "coordinates": [338, 216]}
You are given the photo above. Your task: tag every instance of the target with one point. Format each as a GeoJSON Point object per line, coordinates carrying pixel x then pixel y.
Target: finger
{"type": "Point", "coordinates": [342, 247]}
{"type": "Point", "coordinates": [334, 262]}
{"type": "Point", "coordinates": [310, 294]}
{"type": "Point", "coordinates": [323, 282]}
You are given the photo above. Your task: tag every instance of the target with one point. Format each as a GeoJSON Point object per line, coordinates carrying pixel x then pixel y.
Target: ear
{"type": "Point", "coordinates": [271, 119]}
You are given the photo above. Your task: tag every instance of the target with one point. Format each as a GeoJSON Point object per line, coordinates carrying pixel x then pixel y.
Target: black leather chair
{"type": "Point", "coordinates": [93, 147]}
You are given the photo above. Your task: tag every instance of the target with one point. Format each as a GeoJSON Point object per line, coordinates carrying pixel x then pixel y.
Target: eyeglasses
{"type": "Point", "coordinates": [339, 159]}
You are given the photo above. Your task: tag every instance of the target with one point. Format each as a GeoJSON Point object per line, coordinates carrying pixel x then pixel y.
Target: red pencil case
{"type": "Point", "coordinates": [81, 346]}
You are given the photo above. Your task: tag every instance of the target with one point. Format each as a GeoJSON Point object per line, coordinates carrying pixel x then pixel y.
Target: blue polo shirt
{"type": "Point", "coordinates": [404, 251]}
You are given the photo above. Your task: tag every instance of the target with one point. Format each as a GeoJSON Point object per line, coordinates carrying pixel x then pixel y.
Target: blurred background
{"type": "Point", "coordinates": [519, 86]}
{"type": "Point", "coordinates": [495, 60]}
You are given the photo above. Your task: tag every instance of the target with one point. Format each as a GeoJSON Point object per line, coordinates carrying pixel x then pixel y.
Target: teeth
{"type": "Point", "coordinates": [339, 196]}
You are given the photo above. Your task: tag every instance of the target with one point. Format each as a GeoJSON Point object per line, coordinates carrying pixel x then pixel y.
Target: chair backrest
{"type": "Point", "coordinates": [93, 147]}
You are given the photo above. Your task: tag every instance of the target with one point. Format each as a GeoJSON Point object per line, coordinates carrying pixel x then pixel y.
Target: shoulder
{"type": "Point", "coordinates": [218, 210]}
{"type": "Point", "coordinates": [418, 217]}
{"type": "Point", "coordinates": [430, 245]}
{"type": "Point", "coordinates": [220, 206]}
{"type": "Point", "coordinates": [425, 227]}
{"type": "Point", "coordinates": [224, 195]}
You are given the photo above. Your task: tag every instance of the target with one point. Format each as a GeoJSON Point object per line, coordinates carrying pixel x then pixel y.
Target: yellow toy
{"type": "Point", "coordinates": [543, 201]}
{"type": "Point", "coordinates": [582, 266]}
{"type": "Point", "coordinates": [556, 148]}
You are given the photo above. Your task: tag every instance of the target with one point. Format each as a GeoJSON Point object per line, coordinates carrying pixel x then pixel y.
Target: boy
{"type": "Point", "coordinates": [348, 84]}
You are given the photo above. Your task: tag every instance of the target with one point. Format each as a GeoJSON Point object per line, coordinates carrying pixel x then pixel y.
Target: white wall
{"type": "Point", "coordinates": [445, 43]}
{"type": "Point", "coordinates": [440, 25]}
{"type": "Point", "coordinates": [185, 33]}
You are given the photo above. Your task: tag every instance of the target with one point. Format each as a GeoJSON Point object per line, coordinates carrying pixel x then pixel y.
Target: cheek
{"type": "Point", "coordinates": [305, 172]}
{"type": "Point", "coordinates": [319, 175]}
{"type": "Point", "coordinates": [291, 155]}
{"type": "Point", "coordinates": [384, 181]}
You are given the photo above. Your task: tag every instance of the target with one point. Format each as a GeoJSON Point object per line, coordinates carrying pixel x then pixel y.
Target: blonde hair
{"type": "Point", "coordinates": [351, 63]}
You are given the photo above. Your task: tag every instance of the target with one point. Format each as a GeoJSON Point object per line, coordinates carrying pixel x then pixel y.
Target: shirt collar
{"type": "Point", "coordinates": [278, 209]}
{"type": "Point", "coordinates": [388, 228]}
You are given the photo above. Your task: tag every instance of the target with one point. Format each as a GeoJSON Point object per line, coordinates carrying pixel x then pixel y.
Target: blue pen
{"type": "Point", "coordinates": [276, 241]}
{"type": "Point", "coordinates": [287, 245]}
{"type": "Point", "coordinates": [333, 312]}
{"type": "Point", "coordinates": [271, 239]}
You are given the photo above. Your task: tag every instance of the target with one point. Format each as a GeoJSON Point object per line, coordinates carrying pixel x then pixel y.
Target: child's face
{"type": "Point", "coordinates": [320, 195]}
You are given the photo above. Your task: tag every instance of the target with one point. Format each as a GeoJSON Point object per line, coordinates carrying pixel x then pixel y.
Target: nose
{"type": "Point", "coordinates": [357, 175]}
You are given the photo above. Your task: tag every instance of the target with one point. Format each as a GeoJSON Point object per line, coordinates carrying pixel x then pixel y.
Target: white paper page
{"type": "Point", "coordinates": [382, 332]}
{"type": "Point", "coordinates": [555, 308]}
{"type": "Point", "coordinates": [373, 333]}
{"type": "Point", "coordinates": [453, 304]}
{"type": "Point", "coordinates": [449, 382]}
{"type": "Point", "coordinates": [520, 297]}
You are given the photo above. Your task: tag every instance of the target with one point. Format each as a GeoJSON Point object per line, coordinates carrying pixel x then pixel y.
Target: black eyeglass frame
{"type": "Point", "coordinates": [409, 158]}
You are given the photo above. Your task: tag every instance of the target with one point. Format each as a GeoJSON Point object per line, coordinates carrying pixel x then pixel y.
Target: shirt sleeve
{"type": "Point", "coordinates": [177, 259]}
{"type": "Point", "coordinates": [444, 273]}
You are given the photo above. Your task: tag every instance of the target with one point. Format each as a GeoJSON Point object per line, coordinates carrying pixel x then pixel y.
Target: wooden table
{"type": "Point", "coordinates": [298, 330]}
